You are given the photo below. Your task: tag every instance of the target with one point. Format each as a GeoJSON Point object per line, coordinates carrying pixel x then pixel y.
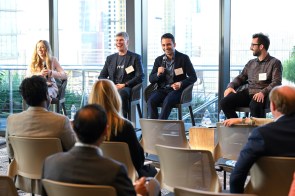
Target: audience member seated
{"type": "Point", "coordinates": [261, 74]}
{"type": "Point", "coordinates": [119, 129]}
{"type": "Point", "coordinates": [124, 68]}
{"type": "Point", "coordinates": [84, 163]}
{"type": "Point", "coordinates": [37, 121]}
{"type": "Point", "coordinates": [247, 121]}
{"type": "Point", "coordinates": [46, 65]}
{"type": "Point", "coordinates": [273, 139]}
{"type": "Point", "coordinates": [173, 72]}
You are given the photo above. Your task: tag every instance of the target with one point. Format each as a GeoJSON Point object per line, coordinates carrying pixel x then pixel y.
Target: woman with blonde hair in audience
{"type": "Point", "coordinates": [105, 93]}
{"type": "Point", "coordinates": [46, 65]}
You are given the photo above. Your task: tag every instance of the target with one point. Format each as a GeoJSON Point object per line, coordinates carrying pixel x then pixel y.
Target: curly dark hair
{"type": "Point", "coordinates": [89, 123]}
{"type": "Point", "coordinates": [34, 90]}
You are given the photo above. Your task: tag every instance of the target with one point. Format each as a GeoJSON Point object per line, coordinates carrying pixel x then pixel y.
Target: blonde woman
{"type": "Point", "coordinates": [105, 93]}
{"type": "Point", "coordinates": [46, 65]}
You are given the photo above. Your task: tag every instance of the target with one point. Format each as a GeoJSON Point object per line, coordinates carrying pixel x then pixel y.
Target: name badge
{"type": "Point", "coordinates": [178, 71]}
{"type": "Point", "coordinates": [262, 76]}
{"type": "Point", "coordinates": [129, 69]}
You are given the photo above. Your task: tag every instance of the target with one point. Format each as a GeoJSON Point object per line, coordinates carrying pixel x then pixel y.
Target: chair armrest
{"type": "Point", "coordinates": [135, 92]}
{"type": "Point", "coordinates": [187, 93]}
{"type": "Point", "coordinates": [148, 90]}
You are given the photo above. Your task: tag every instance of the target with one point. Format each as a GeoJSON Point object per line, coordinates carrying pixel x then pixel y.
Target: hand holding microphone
{"type": "Point", "coordinates": [45, 71]}
{"type": "Point", "coordinates": [161, 69]}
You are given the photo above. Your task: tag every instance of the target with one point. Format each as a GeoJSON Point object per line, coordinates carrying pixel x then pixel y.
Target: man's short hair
{"type": "Point", "coordinates": [90, 123]}
{"type": "Point", "coordinates": [123, 34]}
{"type": "Point", "coordinates": [168, 36]}
{"type": "Point", "coordinates": [262, 39]}
{"type": "Point", "coordinates": [34, 90]}
{"type": "Point", "coordinates": [283, 98]}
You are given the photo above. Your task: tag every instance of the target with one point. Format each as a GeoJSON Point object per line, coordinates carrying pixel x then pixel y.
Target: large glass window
{"type": "Point", "coordinates": [268, 17]}
{"type": "Point", "coordinates": [21, 26]}
{"type": "Point", "coordinates": [195, 25]}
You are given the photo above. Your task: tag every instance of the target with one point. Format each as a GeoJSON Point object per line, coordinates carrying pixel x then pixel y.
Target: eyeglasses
{"type": "Point", "coordinates": [254, 44]}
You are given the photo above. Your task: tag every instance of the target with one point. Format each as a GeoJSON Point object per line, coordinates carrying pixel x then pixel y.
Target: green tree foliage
{"type": "Point", "coordinates": [289, 67]}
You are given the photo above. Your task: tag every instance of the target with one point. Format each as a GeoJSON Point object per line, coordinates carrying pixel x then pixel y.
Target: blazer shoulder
{"type": "Point", "coordinates": [133, 54]}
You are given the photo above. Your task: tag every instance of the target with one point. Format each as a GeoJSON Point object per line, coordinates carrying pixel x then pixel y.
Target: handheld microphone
{"type": "Point", "coordinates": [45, 67]}
{"type": "Point", "coordinates": [164, 61]}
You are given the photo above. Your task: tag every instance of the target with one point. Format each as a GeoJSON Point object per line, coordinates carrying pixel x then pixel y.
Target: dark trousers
{"type": "Point", "coordinates": [125, 96]}
{"type": "Point", "coordinates": [242, 99]}
{"type": "Point", "coordinates": [168, 97]}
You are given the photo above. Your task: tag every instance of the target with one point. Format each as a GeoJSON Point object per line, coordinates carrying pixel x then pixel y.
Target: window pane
{"type": "Point", "coordinates": [87, 30]}
{"type": "Point", "coordinates": [21, 26]}
{"type": "Point", "coordinates": [265, 17]}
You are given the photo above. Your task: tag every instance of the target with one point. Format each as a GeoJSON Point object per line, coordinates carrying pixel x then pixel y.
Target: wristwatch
{"type": "Point", "coordinates": [244, 120]}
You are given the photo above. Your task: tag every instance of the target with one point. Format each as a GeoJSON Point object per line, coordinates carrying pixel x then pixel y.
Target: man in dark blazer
{"type": "Point", "coordinates": [273, 139]}
{"type": "Point", "coordinates": [84, 163]}
{"type": "Point", "coordinates": [124, 68]}
{"type": "Point", "coordinates": [173, 72]}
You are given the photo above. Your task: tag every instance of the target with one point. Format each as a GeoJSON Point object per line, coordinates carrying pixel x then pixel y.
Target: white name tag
{"type": "Point", "coordinates": [178, 71]}
{"type": "Point", "coordinates": [262, 76]}
{"type": "Point", "coordinates": [129, 69]}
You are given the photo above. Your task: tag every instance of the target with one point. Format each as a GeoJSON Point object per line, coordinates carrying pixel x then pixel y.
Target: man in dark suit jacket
{"type": "Point", "coordinates": [84, 163]}
{"type": "Point", "coordinates": [273, 139]}
{"type": "Point", "coordinates": [124, 69]}
{"type": "Point", "coordinates": [173, 72]}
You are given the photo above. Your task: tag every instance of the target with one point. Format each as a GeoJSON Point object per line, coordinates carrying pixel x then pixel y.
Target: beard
{"type": "Point", "coordinates": [256, 53]}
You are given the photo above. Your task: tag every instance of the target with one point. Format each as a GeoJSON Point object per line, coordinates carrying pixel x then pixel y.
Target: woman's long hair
{"type": "Point", "coordinates": [105, 93]}
{"type": "Point", "coordinates": [36, 62]}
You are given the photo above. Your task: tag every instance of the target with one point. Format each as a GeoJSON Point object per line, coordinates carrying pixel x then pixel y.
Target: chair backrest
{"type": "Point", "coordinates": [180, 191]}
{"type": "Point", "coordinates": [54, 188]}
{"type": "Point", "coordinates": [7, 186]}
{"type": "Point", "coordinates": [271, 176]}
{"type": "Point", "coordinates": [232, 139]}
{"type": "Point", "coordinates": [136, 92]}
{"type": "Point", "coordinates": [148, 91]}
{"type": "Point", "coordinates": [187, 168]}
{"type": "Point", "coordinates": [119, 151]}
{"type": "Point", "coordinates": [163, 132]}
{"type": "Point", "coordinates": [187, 94]}
{"type": "Point", "coordinates": [29, 154]}
{"type": "Point", "coordinates": [62, 88]}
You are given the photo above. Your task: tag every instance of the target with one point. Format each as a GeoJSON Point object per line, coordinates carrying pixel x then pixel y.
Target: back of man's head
{"type": "Point", "coordinates": [34, 90]}
{"type": "Point", "coordinates": [90, 123]}
{"type": "Point", "coordinates": [283, 98]}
